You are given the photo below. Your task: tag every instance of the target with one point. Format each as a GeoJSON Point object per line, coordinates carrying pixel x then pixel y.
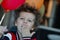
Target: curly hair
{"type": "Point", "coordinates": [27, 8]}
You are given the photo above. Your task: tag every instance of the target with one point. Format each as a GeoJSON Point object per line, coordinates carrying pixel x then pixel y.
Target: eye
{"type": "Point", "coordinates": [21, 18]}
{"type": "Point", "coordinates": [30, 20]}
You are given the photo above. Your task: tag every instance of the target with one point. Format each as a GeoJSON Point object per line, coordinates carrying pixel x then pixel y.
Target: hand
{"type": "Point", "coordinates": [2, 30]}
{"type": "Point", "coordinates": [26, 33]}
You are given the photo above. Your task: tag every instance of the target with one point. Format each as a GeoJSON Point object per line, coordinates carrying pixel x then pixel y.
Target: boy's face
{"type": "Point", "coordinates": [25, 20]}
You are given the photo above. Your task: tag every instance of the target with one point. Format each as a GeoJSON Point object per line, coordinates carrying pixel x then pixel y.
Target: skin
{"type": "Point", "coordinates": [2, 30]}
{"type": "Point", "coordinates": [24, 23]}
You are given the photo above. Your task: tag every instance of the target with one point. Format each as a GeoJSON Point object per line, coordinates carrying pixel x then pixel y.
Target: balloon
{"type": "Point", "coordinates": [12, 4]}
{"type": "Point", "coordinates": [35, 3]}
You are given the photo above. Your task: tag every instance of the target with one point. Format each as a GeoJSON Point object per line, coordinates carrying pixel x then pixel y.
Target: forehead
{"type": "Point", "coordinates": [27, 15]}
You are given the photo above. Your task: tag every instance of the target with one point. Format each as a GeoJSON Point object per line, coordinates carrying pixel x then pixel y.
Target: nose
{"type": "Point", "coordinates": [25, 21]}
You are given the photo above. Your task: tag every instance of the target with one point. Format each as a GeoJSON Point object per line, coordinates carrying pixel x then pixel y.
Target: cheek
{"type": "Point", "coordinates": [30, 25]}
{"type": "Point", "coordinates": [19, 23]}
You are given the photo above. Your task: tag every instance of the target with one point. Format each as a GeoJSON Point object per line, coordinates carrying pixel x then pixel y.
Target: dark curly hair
{"type": "Point", "coordinates": [27, 8]}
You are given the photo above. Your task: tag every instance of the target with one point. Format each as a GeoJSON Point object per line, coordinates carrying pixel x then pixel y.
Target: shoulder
{"type": "Point", "coordinates": [9, 36]}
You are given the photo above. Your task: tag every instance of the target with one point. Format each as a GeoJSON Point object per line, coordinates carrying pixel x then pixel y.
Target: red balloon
{"type": "Point", "coordinates": [12, 4]}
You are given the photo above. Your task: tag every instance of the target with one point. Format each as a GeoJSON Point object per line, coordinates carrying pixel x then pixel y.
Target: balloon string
{"type": "Point", "coordinates": [2, 18]}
